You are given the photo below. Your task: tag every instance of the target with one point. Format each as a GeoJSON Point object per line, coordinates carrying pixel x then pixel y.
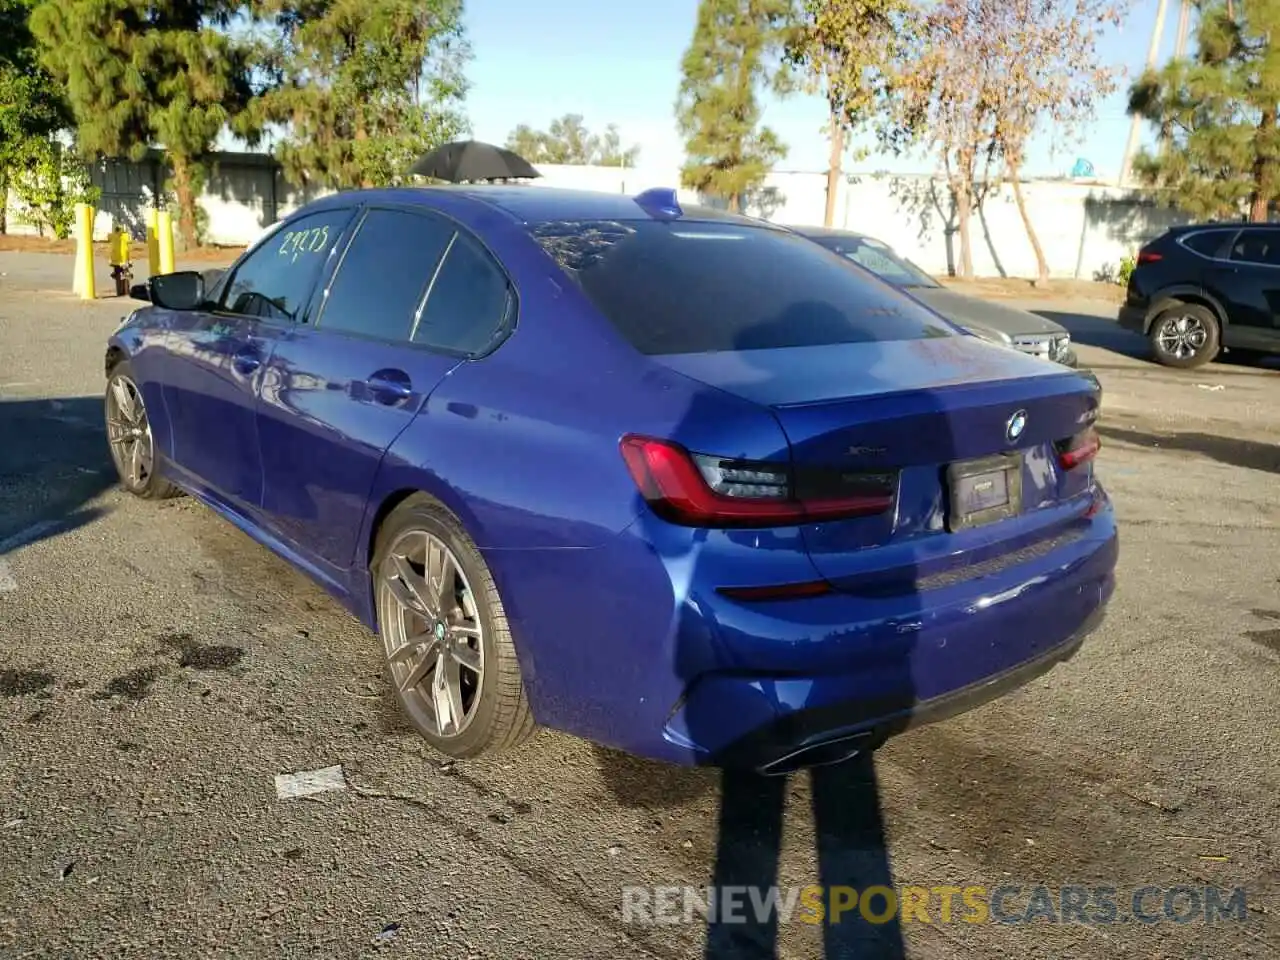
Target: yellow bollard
{"type": "Point", "coordinates": [164, 227]}
{"type": "Point", "coordinates": [84, 284]}
{"type": "Point", "coordinates": [153, 242]}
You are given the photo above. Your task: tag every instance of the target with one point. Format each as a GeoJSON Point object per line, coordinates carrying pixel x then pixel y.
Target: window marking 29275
{"type": "Point", "coordinates": [298, 242]}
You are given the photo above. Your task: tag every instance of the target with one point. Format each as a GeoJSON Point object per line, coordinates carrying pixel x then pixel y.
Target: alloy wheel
{"type": "Point", "coordinates": [431, 632]}
{"type": "Point", "coordinates": [129, 432]}
{"type": "Point", "coordinates": [1182, 336]}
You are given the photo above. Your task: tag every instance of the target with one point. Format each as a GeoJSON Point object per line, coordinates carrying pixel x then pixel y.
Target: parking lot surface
{"type": "Point", "coordinates": [158, 670]}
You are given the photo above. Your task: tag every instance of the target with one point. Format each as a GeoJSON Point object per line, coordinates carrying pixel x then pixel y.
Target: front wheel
{"type": "Point", "coordinates": [1185, 335]}
{"type": "Point", "coordinates": [133, 449]}
{"type": "Point", "coordinates": [449, 652]}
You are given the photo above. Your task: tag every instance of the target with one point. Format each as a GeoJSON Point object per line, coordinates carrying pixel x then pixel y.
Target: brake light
{"type": "Point", "coordinates": [698, 490]}
{"type": "Point", "coordinates": [1081, 448]}
{"type": "Point", "coordinates": [1149, 256]}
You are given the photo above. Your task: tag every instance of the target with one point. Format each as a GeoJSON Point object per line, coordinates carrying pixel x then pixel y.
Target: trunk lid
{"type": "Point", "coordinates": [914, 409]}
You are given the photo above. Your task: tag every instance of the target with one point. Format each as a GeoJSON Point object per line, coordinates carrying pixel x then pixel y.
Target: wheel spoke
{"type": "Point", "coordinates": [408, 588]}
{"type": "Point", "coordinates": [467, 658]}
{"type": "Point", "coordinates": [410, 647]}
{"type": "Point", "coordinates": [440, 703]}
{"type": "Point", "coordinates": [135, 461]}
{"type": "Point", "coordinates": [437, 571]}
{"type": "Point", "coordinates": [429, 659]}
{"type": "Point", "coordinates": [124, 399]}
{"type": "Point", "coordinates": [446, 694]}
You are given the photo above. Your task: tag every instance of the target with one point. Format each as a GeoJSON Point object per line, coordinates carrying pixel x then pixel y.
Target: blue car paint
{"type": "Point", "coordinates": [621, 634]}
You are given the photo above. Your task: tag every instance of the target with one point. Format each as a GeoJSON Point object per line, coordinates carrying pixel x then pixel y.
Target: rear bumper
{"type": "Point", "coordinates": [1133, 318]}
{"type": "Point", "coordinates": [916, 660]}
{"type": "Point", "coordinates": [809, 737]}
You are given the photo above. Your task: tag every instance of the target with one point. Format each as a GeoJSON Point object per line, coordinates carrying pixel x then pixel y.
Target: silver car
{"type": "Point", "coordinates": [999, 324]}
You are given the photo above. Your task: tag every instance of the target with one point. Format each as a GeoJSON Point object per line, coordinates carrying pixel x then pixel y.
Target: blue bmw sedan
{"type": "Point", "coordinates": [672, 480]}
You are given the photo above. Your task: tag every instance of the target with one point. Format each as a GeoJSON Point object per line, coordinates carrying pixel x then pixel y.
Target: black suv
{"type": "Point", "coordinates": [1204, 287]}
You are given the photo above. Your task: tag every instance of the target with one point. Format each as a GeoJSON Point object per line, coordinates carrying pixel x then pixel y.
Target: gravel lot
{"type": "Point", "coordinates": [158, 669]}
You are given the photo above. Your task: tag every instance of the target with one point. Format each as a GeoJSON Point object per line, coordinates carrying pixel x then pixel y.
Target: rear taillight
{"type": "Point", "coordinates": [1149, 256]}
{"type": "Point", "coordinates": [698, 490]}
{"type": "Point", "coordinates": [1081, 448]}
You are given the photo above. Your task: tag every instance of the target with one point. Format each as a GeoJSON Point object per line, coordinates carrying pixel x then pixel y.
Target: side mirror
{"type": "Point", "coordinates": [183, 290]}
{"type": "Point", "coordinates": [139, 291]}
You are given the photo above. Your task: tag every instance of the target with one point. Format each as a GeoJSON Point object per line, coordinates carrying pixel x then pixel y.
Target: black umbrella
{"type": "Point", "coordinates": [472, 160]}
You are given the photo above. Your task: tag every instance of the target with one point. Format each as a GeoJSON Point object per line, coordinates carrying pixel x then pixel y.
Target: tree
{"type": "Point", "coordinates": [943, 98]}
{"type": "Point", "coordinates": [51, 181]}
{"type": "Point", "coordinates": [364, 86]}
{"type": "Point", "coordinates": [610, 152]}
{"type": "Point", "coordinates": [569, 141]}
{"type": "Point", "coordinates": [147, 73]}
{"type": "Point", "coordinates": [1043, 63]}
{"type": "Point", "coordinates": [848, 51]}
{"type": "Point", "coordinates": [32, 106]}
{"type": "Point", "coordinates": [735, 51]}
{"type": "Point", "coordinates": [1216, 114]}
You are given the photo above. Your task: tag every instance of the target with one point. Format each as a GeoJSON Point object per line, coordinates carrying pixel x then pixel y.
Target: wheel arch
{"type": "Point", "coordinates": [114, 357]}
{"type": "Point", "coordinates": [1186, 295]}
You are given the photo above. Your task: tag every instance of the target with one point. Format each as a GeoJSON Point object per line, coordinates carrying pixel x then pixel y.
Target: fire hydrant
{"type": "Point", "coordinates": [121, 265]}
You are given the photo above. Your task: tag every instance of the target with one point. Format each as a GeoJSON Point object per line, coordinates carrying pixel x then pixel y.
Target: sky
{"type": "Point", "coordinates": [616, 62]}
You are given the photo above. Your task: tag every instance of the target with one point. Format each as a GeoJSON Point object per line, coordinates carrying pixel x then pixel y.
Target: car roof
{"type": "Point", "coordinates": [533, 205]}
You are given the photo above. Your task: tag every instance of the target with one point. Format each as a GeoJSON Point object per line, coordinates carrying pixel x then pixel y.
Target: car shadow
{"type": "Point", "coordinates": [1094, 331]}
{"type": "Point", "coordinates": [1250, 454]}
{"type": "Point", "coordinates": [53, 462]}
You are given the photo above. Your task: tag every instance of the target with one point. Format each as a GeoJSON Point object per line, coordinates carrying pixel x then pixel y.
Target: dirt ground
{"type": "Point", "coordinates": [158, 670]}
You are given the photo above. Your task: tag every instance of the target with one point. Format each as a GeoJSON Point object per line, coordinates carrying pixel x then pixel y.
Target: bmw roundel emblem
{"type": "Point", "coordinates": [1017, 423]}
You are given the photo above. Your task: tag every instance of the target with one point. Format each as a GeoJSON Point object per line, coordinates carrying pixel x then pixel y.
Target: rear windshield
{"type": "Point", "coordinates": [698, 287]}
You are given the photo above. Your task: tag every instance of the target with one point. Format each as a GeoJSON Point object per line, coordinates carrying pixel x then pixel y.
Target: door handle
{"type": "Point", "coordinates": [390, 386]}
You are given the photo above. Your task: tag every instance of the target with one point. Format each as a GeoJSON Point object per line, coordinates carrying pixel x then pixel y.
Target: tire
{"type": "Point", "coordinates": [1185, 335]}
{"type": "Point", "coordinates": [424, 640]}
{"type": "Point", "coordinates": [134, 455]}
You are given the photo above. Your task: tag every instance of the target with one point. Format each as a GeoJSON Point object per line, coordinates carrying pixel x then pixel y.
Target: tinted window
{"type": "Point", "coordinates": [693, 287]}
{"type": "Point", "coordinates": [275, 281]}
{"type": "Point", "coordinates": [384, 274]}
{"type": "Point", "coordinates": [1207, 243]}
{"type": "Point", "coordinates": [1257, 246]}
{"type": "Point", "coordinates": [468, 301]}
{"type": "Point", "coordinates": [880, 259]}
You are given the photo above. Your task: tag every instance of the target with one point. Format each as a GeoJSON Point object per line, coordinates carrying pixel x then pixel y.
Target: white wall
{"type": "Point", "coordinates": [1083, 228]}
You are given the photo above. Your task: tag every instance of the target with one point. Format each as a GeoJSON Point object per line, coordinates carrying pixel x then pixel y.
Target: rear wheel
{"type": "Point", "coordinates": [129, 436]}
{"type": "Point", "coordinates": [1186, 335]}
{"type": "Point", "coordinates": [448, 649]}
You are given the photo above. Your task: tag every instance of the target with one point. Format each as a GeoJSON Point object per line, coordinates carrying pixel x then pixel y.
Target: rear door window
{"type": "Point", "coordinates": [469, 304]}
{"type": "Point", "coordinates": [1257, 246]}
{"type": "Point", "coordinates": [384, 274]}
{"type": "Point", "coordinates": [275, 281]}
{"type": "Point", "coordinates": [1207, 243]}
{"type": "Point", "coordinates": [674, 287]}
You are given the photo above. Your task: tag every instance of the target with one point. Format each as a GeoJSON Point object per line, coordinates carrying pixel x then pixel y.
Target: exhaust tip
{"type": "Point", "coordinates": [824, 753]}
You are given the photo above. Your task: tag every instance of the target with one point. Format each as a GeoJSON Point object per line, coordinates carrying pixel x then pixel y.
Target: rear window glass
{"type": "Point", "coordinates": [1207, 243]}
{"type": "Point", "coordinates": [698, 287]}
